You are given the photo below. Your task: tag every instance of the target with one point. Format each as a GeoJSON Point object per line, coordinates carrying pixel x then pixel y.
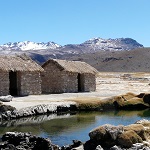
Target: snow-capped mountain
{"type": "Point", "coordinates": [112, 44]}
{"type": "Point", "coordinates": [92, 45]}
{"type": "Point", "coordinates": [28, 45]}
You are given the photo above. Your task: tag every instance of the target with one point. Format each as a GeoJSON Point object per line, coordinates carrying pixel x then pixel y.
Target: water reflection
{"type": "Point", "coordinates": [62, 129]}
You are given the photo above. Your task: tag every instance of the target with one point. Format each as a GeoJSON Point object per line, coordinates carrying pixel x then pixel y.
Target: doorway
{"type": "Point", "coordinates": [13, 83]}
{"type": "Point", "coordinates": [80, 82]}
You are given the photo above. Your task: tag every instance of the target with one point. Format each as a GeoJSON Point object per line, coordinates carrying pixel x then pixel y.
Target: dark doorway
{"type": "Point", "coordinates": [13, 83]}
{"type": "Point", "coordinates": [80, 82]}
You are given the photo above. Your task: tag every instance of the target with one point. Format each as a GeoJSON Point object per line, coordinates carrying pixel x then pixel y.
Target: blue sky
{"type": "Point", "coordinates": [74, 21]}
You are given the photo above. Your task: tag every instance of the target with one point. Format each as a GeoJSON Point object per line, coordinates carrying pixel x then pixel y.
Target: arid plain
{"type": "Point", "coordinates": [108, 84]}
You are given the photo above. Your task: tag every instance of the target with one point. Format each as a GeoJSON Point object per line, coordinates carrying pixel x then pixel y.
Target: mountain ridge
{"type": "Point", "coordinates": [28, 45]}
{"type": "Point", "coordinates": [95, 44]}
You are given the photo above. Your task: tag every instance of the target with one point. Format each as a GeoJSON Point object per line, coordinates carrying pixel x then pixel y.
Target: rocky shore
{"type": "Point", "coordinates": [127, 101]}
{"type": "Point", "coordinates": [106, 137]}
{"type": "Point", "coordinates": [10, 113]}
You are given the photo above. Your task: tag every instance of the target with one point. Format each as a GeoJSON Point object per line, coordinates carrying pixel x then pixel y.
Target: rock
{"type": "Point", "coordinates": [98, 134]}
{"type": "Point", "coordinates": [146, 125]}
{"type": "Point", "coordinates": [7, 98]}
{"type": "Point", "coordinates": [8, 115]}
{"type": "Point", "coordinates": [132, 101]}
{"type": "Point", "coordinates": [77, 145]}
{"type": "Point", "coordinates": [141, 95]}
{"type": "Point", "coordinates": [138, 128]}
{"type": "Point", "coordinates": [33, 110]}
{"type": "Point", "coordinates": [90, 145]}
{"type": "Point", "coordinates": [146, 98]}
{"type": "Point", "coordinates": [8, 147]}
{"type": "Point", "coordinates": [42, 144]}
{"type": "Point", "coordinates": [81, 147]}
{"type": "Point", "coordinates": [138, 146]}
{"type": "Point", "coordinates": [128, 138]}
{"type": "Point", "coordinates": [106, 134]}
{"type": "Point", "coordinates": [99, 148]}
{"type": "Point", "coordinates": [23, 141]}
{"type": "Point", "coordinates": [115, 148]}
{"type": "Point", "coordinates": [122, 136]}
{"type": "Point", "coordinates": [114, 131]}
{"type": "Point", "coordinates": [4, 108]}
{"type": "Point", "coordinates": [62, 108]}
{"type": "Point", "coordinates": [143, 121]}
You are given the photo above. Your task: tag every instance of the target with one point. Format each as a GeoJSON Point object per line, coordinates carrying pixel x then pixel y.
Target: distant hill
{"type": "Point", "coordinates": [137, 60]}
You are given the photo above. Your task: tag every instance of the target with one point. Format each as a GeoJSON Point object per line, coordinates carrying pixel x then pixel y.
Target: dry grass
{"type": "Point", "coordinates": [126, 101]}
{"type": "Point", "coordinates": [87, 103]}
{"type": "Point", "coordinates": [92, 100]}
{"type": "Point", "coordinates": [130, 101]}
{"type": "Point", "coordinates": [93, 103]}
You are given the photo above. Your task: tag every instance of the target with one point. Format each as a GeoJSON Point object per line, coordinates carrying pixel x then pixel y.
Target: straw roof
{"type": "Point", "coordinates": [18, 63]}
{"type": "Point", "coordinates": [72, 66]}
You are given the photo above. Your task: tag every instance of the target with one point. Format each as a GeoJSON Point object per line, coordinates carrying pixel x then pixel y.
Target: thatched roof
{"type": "Point", "coordinates": [18, 63]}
{"type": "Point", "coordinates": [72, 66]}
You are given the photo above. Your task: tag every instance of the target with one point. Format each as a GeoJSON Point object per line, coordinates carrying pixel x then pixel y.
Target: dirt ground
{"type": "Point", "coordinates": [108, 84]}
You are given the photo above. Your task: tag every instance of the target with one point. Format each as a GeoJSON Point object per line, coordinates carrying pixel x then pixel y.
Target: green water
{"type": "Point", "coordinates": [64, 128]}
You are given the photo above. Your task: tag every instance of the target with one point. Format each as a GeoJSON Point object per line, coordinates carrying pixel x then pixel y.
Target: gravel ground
{"type": "Point", "coordinates": [108, 84]}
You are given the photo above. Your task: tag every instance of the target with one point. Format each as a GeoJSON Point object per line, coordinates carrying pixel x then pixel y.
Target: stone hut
{"type": "Point", "coordinates": [62, 76]}
{"type": "Point", "coordinates": [19, 76]}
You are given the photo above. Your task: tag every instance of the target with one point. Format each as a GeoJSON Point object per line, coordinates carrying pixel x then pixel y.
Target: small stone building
{"type": "Point", "coordinates": [62, 76]}
{"type": "Point", "coordinates": [19, 76]}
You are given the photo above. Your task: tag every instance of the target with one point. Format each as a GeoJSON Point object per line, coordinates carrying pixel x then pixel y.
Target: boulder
{"type": "Point", "coordinates": [138, 146]}
{"type": "Point", "coordinates": [77, 145]}
{"type": "Point", "coordinates": [78, 148]}
{"type": "Point", "coordinates": [115, 148]}
{"type": "Point", "coordinates": [138, 128]}
{"type": "Point", "coordinates": [122, 136]}
{"type": "Point", "coordinates": [99, 148]}
{"type": "Point", "coordinates": [128, 138]}
{"type": "Point", "coordinates": [106, 134]}
{"type": "Point", "coordinates": [90, 145]}
{"type": "Point", "coordinates": [4, 108]}
{"type": "Point", "coordinates": [146, 98]}
{"type": "Point", "coordinates": [132, 101]}
{"type": "Point", "coordinates": [7, 98]}
{"type": "Point", "coordinates": [146, 125]}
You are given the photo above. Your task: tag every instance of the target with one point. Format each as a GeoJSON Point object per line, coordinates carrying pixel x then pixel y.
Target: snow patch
{"type": "Point", "coordinates": [28, 45]}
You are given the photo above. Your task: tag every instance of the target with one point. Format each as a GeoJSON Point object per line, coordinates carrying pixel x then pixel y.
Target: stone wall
{"type": "Point", "coordinates": [30, 83]}
{"type": "Point", "coordinates": [4, 83]}
{"type": "Point", "coordinates": [52, 79]}
{"type": "Point", "coordinates": [57, 81]}
{"type": "Point", "coordinates": [70, 82]}
{"type": "Point", "coordinates": [89, 82]}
